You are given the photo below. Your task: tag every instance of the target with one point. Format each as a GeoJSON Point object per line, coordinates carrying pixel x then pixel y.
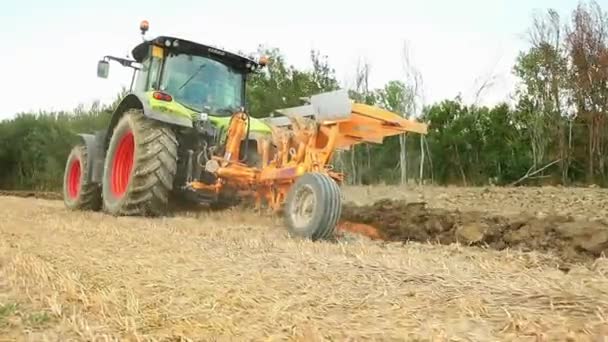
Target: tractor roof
{"type": "Point", "coordinates": [189, 47]}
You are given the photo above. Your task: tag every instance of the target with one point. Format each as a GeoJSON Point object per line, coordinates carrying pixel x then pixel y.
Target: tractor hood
{"type": "Point", "coordinates": [257, 125]}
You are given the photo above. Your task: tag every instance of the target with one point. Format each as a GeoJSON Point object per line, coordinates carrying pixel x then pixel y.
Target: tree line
{"type": "Point", "coordinates": [556, 132]}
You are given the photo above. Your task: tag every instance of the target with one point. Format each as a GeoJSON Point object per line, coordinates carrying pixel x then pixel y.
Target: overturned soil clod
{"type": "Point", "coordinates": [572, 240]}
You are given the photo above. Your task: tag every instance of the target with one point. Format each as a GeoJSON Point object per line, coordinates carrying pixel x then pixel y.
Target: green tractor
{"type": "Point", "coordinates": [181, 100]}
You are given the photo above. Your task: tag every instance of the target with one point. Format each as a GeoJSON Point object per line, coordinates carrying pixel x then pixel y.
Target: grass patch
{"type": "Point", "coordinates": [38, 319]}
{"type": "Point", "coordinates": [6, 310]}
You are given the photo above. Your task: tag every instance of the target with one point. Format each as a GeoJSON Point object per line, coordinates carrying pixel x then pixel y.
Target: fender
{"type": "Point", "coordinates": [140, 101]}
{"type": "Point", "coordinates": [95, 153]}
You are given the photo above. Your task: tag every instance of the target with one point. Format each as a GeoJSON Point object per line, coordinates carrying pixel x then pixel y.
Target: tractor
{"type": "Point", "coordinates": [183, 131]}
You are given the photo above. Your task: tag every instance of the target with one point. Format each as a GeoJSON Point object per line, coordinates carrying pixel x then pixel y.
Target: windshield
{"type": "Point", "coordinates": [203, 84]}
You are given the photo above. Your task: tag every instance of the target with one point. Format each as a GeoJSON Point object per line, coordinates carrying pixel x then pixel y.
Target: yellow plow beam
{"type": "Point", "coordinates": [357, 122]}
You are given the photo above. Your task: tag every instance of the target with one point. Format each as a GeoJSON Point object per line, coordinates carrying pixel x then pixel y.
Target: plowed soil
{"type": "Point", "coordinates": [534, 272]}
{"type": "Point", "coordinates": [580, 203]}
{"type": "Point", "coordinates": [572, 240]}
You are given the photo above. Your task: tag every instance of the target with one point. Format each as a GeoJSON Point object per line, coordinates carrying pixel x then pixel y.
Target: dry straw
{"type": "Point", "coordinates": [237, 276]}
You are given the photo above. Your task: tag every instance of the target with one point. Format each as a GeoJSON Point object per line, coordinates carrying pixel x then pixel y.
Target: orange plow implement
{"type": "Point", "coordinates": [294, 173]}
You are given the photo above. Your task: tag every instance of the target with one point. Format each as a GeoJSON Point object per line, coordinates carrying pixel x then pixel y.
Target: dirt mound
{"type": "Point", "coordinates": [573, 240]}
{"type": "Point", "coordinates": [36, 194]}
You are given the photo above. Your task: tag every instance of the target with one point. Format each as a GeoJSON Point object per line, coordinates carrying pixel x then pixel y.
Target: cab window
{"type": "Point", "coordinates": [147, 77]}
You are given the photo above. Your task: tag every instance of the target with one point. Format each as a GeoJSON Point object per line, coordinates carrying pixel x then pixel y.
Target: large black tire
{"type": "Point", "coordinates": [79, 193]}
{"type": "Point", "coordinates": [321, 218]}
{"type": "Point", "coordinates": [140, 166]}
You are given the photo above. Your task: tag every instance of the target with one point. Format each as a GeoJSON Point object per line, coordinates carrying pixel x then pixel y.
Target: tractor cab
{"type": "Point", "coordinates": [195, 76]}
{"type": "Point", "coordinates": [183, 79]}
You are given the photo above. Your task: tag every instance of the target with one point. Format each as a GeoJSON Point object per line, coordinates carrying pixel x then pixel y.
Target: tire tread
{"type": "Point", "coordinates": [155, 166]}
{"type": "Point", "coordinates": [329, 193]}
{"type": "Point", "coordinates": [90, 193]}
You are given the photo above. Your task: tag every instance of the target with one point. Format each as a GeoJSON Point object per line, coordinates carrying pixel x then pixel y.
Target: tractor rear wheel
{"type": "Point", "coordinates": [140, 166]}
{"type": "Point", "coordinates": [313, 207]}
{"type": "Point", "coordinates": [79, 193]}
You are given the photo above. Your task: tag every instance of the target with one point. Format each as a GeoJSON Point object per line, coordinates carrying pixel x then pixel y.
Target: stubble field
{"type": "Point", "coordinates": [461, 264]}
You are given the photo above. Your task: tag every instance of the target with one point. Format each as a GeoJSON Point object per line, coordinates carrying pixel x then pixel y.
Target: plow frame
{"type": "Point", "coordinates": [303, 141]}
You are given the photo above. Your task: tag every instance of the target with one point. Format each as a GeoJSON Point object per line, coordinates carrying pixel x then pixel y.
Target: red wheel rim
{"type": "Point", "coordinates": [122, 164]}
{"type": "Point", "coordinates": [74, 179]}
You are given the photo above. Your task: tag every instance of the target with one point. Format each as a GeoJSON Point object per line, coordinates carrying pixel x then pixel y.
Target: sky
{"type": "Point", "coordinates": [50, 49]}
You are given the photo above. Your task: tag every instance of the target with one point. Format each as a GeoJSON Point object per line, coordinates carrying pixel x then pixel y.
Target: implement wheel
{"type": "Point", "coordinates": [313, 207]}
{"type": "Point", "coordinates": [140, 166]}
{"type": "Point", "coordinates": [79, 193]}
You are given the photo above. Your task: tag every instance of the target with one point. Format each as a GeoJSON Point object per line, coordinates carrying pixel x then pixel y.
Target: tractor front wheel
{"type": "Point", "coordinates": [313, 207]}
{"type": "Point", "coordinates": [79, 193]}
{"type": "Point", "coordinates": [140, 166]}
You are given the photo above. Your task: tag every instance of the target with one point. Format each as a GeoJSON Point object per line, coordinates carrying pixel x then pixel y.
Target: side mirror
{"type": "Point", "coordinates": [103, 69]}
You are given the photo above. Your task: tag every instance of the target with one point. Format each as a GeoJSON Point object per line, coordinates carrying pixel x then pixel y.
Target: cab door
{"type": "Point", "coordinates": [148, 76]}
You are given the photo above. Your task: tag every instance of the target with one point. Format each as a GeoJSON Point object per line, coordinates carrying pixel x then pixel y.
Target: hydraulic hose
{"type": "Point", "coordinates": [247, 138]}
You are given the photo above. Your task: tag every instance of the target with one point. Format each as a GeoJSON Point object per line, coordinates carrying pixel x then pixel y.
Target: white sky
{"type": "Point", "coordinates": [50, 49]}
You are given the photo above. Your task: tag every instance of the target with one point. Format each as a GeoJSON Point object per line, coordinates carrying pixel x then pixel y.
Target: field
{"type": "Point", "coordinates": [461, 264]}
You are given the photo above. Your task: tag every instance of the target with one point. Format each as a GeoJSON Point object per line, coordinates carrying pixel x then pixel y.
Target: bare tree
{"type": "Point", "coordinates": [488, 80]}
{"type": "Point", "coordinates": [362, 91]}
{"type": "Point", "coordinates": [543, 70]}
{"type": "Point", "coordinates": [587, 42]}
{"type": "Point", "coordinates": [414, 101]}
{"type": "Point", "coordinates": [546, 37]}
